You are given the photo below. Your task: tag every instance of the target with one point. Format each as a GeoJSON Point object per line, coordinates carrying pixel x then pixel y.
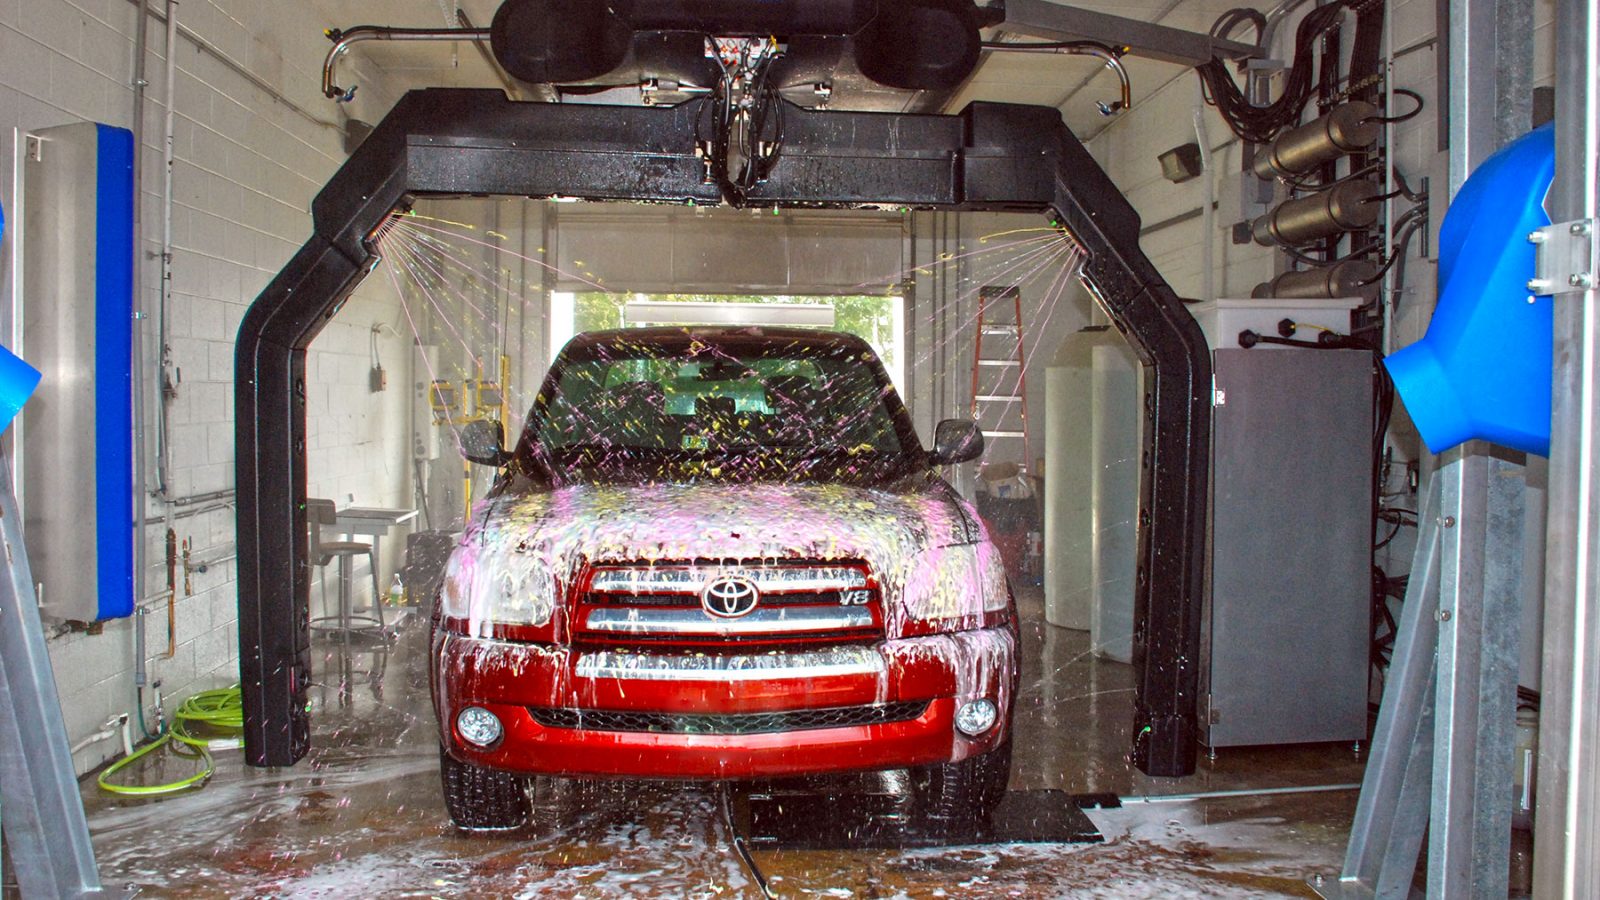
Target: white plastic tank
{"type": "Point", "coordinates": [1068, 477]}
{"type": "Point", "coordinates": [1114, 496]}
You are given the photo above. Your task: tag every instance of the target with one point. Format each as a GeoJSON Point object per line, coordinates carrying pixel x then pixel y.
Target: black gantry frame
{"type": "Point", "coordinates": [444, 142]}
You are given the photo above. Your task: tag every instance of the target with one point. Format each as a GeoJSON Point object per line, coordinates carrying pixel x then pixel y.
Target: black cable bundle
{"type": "Point", "coordinates": [1258, 124]}
{"type": "Point", "coordinates": [1384, 626]}
{"type": "Point", "coordinates": [1233, 18]}
{"type": "Point", "coordinates": [764, 147]}
{"type": "Point", "coordinates": [746, 129]}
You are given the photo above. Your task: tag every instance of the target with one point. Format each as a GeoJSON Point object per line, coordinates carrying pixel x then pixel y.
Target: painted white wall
{"type": "Point", "coordinates": [1051, 310]}
{"type": "Point", "coordinates": [247, 168]}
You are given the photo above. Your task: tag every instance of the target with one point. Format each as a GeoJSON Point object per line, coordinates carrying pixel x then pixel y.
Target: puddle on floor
{"type": "Point", "coordinates": [364, 815]}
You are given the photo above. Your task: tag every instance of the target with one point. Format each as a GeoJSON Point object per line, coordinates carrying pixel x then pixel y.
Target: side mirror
{"type": "Point", "coordinates": [956, 441]}
{"type": "Point", "coordinates": [483, 442]}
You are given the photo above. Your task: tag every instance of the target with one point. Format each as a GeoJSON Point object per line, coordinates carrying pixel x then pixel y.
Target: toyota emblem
{"type": "Point", "coordinates": [729, 597]}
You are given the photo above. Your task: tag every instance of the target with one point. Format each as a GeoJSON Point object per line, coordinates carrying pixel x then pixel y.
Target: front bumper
{"type": "Point", "coordinates": [510, 678]}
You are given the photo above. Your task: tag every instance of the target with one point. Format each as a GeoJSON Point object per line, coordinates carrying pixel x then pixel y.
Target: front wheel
{"type": "Point", "coordinates": [483, 799]}
{"type": "Point", "coordinates": [963, 793]}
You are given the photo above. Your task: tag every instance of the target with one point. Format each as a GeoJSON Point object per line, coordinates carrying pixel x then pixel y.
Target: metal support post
{"type": "Point", "coordinates": [44, 822]}
{"type": "Point", "coordinates": [1487, 42]}
{"type": "Point", "coordinates": [1567, 823]}
{"type": "Point", "coordinates": [1392, 812]}
{"type": "Point", "coordinates": [1446, 726]}
{"type": "Point", "coordinates": [1479, 628]}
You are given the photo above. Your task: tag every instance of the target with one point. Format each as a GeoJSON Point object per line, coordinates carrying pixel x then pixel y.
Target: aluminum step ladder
{"type": "Point", "coordinates": [999, 380]}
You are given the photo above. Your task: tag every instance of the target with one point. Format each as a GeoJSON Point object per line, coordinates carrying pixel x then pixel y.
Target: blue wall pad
{"type": "Point", "coordinates": [1483, 369]}
{"type": "Point", "coordinates": [113, 370]}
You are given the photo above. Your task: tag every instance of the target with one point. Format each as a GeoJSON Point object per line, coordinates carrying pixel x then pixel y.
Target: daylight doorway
{"type": "Point", "coordinates": [877, 319]}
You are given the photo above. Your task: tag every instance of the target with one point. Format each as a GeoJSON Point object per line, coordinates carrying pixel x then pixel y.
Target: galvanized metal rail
{"type": "Point", "coordinates": [45, 826]}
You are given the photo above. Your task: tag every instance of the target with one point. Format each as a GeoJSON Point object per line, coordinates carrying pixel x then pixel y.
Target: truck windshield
{"type": "Point", "coordinates": [791, 410]}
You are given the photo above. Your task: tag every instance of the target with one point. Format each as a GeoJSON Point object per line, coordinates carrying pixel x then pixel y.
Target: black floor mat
{"type": "Point", "coordinates": [781, 820]}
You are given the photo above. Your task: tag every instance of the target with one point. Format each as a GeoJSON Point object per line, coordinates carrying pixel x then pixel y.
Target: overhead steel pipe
{"type": "Point", "coordinates": [344, 40]}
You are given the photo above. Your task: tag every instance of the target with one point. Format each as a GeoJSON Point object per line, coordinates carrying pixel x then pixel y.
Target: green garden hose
{"type": "Point", "coordinates": [220, 710]}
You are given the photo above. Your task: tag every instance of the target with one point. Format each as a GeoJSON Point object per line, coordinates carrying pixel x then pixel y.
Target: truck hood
{"type": "Point", "coordinates": [924, 545]}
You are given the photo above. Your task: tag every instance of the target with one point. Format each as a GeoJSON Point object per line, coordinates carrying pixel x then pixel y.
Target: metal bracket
{"type": "Point", "coordinates": [1565, 259]}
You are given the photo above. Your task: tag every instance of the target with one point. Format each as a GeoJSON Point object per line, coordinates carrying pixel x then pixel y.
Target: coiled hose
{"type": "Point", "coordinates": [219, 710]}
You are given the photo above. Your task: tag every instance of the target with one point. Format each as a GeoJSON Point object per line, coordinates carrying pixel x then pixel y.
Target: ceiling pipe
{"type": "Point", "coordinates": [344, 40]}
{"type": "Point", "coordinates": [547, 93]}
{"type": "Point", "coordinates": [1112, 58]}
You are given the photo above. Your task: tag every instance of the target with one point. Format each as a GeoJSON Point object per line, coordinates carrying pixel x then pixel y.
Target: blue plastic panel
{"type": "Point", "coordinates": [113, 370]}
{"type": "Point", "coordinates": [1483, 369]}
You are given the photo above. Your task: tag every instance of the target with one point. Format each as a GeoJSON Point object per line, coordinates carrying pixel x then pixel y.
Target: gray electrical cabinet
{"type": "Point", "coordinates": [1288, 617]}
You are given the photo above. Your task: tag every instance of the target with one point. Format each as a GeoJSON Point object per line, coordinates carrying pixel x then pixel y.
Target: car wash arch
{"type": "Point", "coordinates": [989, 157]}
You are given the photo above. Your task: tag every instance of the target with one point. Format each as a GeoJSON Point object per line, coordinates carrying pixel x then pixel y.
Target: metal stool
{"type": "Point", "coordinates": [346, 622]}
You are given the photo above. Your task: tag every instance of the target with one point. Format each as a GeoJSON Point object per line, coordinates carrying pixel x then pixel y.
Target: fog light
{"type": "Point", "coordinates": [478, 726]}
{"type": "Point", "coordinates": [976, 717]}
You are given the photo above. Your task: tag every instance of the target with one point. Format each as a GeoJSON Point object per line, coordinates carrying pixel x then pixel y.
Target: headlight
{"type": "Point", "coordinates": [484, 588]}
{"type": "Point", "coordinates": [954, 588]}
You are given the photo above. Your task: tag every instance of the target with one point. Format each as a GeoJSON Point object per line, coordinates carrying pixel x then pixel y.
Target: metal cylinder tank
{"type": "Point", "coordinates": [1351, 278]}
{"type": "Point", "coordinates": [1344, 207]}
{"type": "Point", "coordinates": [1299, 151]}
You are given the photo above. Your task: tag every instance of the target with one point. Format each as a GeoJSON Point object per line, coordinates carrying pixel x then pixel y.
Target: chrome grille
{"type": "Point", "coordinates": [830, 662]}
{"type": "Point", "coordinates": [687, 578]}
{"type": "Point", "coordinates": [656, 604]}
{"type": "Point", "coordinates": [692, 601]}
{"type": "Point", "coordinates": [732, 724]}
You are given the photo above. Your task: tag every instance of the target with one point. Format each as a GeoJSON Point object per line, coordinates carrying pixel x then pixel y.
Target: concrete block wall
{"type": "Point", "coordinates": [1128, 150]}
{"type": "Point", "coordinates": [247, 167]}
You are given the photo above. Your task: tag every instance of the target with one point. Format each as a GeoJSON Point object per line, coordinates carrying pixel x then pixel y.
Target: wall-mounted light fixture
{"type": "Point", "coordinates": [1181, 163]}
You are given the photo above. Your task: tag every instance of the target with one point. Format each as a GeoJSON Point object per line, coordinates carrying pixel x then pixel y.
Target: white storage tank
{"type": "Point", "coordinates": [1068, 477]}
{"type": "Point", "coordinates": [1114, 496]}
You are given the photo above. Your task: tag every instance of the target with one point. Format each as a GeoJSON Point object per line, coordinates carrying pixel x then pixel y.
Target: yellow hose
{"type": "Point", "coordinates": [221, 710]}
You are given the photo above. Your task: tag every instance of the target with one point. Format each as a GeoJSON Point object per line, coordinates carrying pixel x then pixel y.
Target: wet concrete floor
{"type": "Point", "coordinates": [363, 813]}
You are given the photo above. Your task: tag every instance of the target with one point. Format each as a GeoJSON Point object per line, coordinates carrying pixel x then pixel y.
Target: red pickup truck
{"type": "Point", "coordinates": [722, 553]}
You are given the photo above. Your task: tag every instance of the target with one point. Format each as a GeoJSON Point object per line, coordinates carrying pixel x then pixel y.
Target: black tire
{"type": "Point", "coordinates": [965, 793]}
{"type": "Point", "coordinates": [482, 799]}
